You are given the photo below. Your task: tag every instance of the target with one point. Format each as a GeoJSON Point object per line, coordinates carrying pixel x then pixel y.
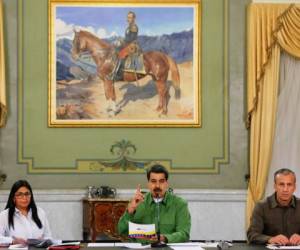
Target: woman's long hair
{"type": "Point", "coordinates": [12, 206]}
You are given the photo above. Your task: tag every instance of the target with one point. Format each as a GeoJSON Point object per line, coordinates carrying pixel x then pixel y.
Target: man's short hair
{"type": "Point", "coordinates": [158, 169]}
{"type": "Point", "coordinates": [284, 171]}
{"type": "Point", "coordinates": [132, 13]}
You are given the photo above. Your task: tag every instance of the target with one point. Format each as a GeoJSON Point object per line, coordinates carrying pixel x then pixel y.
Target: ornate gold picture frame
{"type": "Point", "coordinates": [98, 78]}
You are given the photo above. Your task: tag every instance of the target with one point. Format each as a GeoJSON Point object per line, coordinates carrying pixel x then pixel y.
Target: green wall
{"type": "Point", "coordinates": [182, 147]}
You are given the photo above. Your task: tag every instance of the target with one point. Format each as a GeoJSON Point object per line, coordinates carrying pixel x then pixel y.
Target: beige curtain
{"type": "Point", "coordinates": [3, 106]}
{"type": "Point", "coordinates": [270, 28]}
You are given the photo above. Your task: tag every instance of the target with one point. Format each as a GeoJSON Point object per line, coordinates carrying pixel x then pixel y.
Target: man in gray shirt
{"type": "Point", "coordinates": [276, 220]}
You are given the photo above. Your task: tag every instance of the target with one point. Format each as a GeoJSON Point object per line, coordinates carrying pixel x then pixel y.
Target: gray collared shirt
{"type": "Point", "coordinates": [270, 219]}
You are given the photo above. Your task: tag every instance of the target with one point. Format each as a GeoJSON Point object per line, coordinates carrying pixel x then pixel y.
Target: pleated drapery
{"type": "Point", "coordinates": [270, 29]}
{"type": "Point", "coordinates": [3, 106]}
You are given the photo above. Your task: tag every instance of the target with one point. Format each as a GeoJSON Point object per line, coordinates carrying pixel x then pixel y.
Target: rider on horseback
{"type": "Point", "coordinates": [131, 33]}
{"type": "Point", "coordinates": [129, 47]}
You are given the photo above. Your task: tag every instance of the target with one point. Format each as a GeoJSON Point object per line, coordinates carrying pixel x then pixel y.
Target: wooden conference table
{"type": "Point", "coordinates": [235, 246]}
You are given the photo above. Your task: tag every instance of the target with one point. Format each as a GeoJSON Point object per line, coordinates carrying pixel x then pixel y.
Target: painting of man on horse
{"type": "Point", "coordinates": [130, 73]}
{"type": "Point", "coordinates": [157, 65]}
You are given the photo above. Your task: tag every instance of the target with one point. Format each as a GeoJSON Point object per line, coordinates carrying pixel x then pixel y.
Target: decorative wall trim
{"type": "Point", "coordinates": [192, 195]}
{"type": "Point", "coordinates": [57, 195]}
{"type": "Point", "coordinates": [207, 207]}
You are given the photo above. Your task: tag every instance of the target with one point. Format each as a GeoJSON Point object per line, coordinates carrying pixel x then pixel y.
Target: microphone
{"type": "Point", "coordinates": [158, 243]}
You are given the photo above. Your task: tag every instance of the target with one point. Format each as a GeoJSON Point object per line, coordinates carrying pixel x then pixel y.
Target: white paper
{"type": "Point", "coordinates": [186, 246]}
{"type": "Point", "coordinates": [56, 241]}
{"type": "Point", "coordinates": [99, 244]}
{"type": "Point", "coordinates": [131, 245]}
{"type": "Point", "coordinates": [212, 244]}
{"type": "Point", "coordinates": [282, 247]}
{"type": "Point", "coordinates": [141, 230]}
{"type": "Point", "coordinates": [18, 246]}
{"type": "Point", "coordinates": [191, 244]}
{"type": "Point", "coordinates": [209, 244]}
{"type": "Point", "coordinates": [76, 243]}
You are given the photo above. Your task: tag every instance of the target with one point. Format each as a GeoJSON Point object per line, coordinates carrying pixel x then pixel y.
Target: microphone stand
{"type": "Point", "coordinates": [158, 243]}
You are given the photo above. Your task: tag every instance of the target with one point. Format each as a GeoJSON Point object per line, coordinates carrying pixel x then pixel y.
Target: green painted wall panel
{"type": "Point", "coordinates": [60, 147]}
{"type": "Point", "coordinates": [184, 146]}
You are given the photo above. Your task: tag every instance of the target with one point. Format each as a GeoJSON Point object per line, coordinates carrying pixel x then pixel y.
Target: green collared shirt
{"type": "Point", "coordinates": [175, 219]}
{"type": "Point", "coordinates": [270, 219]}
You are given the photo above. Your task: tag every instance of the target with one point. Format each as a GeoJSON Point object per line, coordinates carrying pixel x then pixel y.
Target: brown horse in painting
{"type": "Point", "coordinates": [157, 64]}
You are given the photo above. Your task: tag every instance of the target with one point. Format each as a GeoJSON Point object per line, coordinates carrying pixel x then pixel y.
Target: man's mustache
{"type": "Point", "coordinates": [157, 190]}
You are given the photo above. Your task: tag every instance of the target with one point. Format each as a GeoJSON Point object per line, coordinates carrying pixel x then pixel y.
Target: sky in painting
{"type": "Point", "coordinates": [110, 21]}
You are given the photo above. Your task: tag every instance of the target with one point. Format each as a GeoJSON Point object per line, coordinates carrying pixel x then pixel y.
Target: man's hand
{"type": "Point", "coordinates": [163, 238]}
{"type": "Point", "coordinates": [279, 239]}
{"type": "Point", "coordinates": [155, 239]}
{"type": "Point", "coordinates": [295, 239]}
{"type": "Point", "coordinates": [137, 199]}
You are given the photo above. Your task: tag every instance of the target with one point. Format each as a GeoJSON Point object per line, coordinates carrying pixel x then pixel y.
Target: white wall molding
{"type": "Point", "coordinates": [216, 214]}
{"type": "Point", "coordinates": [51, 195]}
{"type": "Point", "coordinates": [188, 194]}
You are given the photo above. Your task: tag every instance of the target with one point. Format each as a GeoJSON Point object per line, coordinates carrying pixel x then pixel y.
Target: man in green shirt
{"type": "Point", "coordinates": [276, 220]}
{"type": "Point", "coordinates": [174, 221]}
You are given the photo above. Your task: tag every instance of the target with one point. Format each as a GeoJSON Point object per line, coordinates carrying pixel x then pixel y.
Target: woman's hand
{"type": "Point", "coordinates": [19, 241]}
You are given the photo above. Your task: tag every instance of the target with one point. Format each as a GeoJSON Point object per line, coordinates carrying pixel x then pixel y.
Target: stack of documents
{"type": "Point", "coordinates": [119, 244]}
{"type": "Point", "coordinates": [64, 246]}
{"type": "Point", "coordinates": [186, 246]}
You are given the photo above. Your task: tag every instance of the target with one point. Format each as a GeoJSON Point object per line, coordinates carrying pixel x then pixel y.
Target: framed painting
{"type": "Point", "coordinates": [124, 63]}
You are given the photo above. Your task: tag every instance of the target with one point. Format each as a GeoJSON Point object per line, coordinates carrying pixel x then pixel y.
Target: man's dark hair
{"type": "Point", "coordinates": [12, 207]}
{"type": "Point", "coordinates": [158, 169]}
{"type": "Point", "coordinates": [284, 171]}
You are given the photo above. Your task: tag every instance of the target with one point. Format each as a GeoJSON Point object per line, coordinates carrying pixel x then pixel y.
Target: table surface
{"type": "Point", "coordinates": [235, 246]}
